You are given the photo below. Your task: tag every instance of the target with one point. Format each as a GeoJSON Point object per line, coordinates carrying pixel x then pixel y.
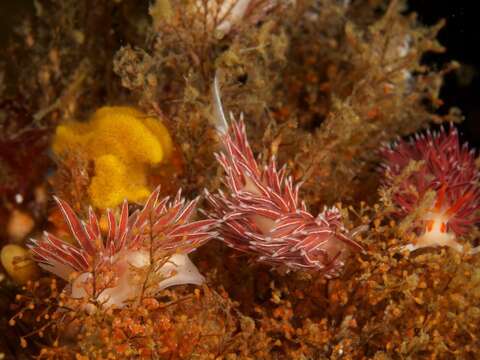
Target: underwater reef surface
{"type": "Point", "coordinates": [236, 179]}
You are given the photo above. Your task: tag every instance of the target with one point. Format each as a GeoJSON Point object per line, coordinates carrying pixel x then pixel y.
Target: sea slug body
{"type": "Point", "coordinates": [162, 232]}
{"type": "Point", "coordinates": [261, 213]}
{"type": "Point", "coordinates": [445, 167]}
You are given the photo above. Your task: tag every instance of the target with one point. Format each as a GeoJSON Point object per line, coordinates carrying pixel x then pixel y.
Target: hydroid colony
{"type": "Point", "coordinates": [122, 95]}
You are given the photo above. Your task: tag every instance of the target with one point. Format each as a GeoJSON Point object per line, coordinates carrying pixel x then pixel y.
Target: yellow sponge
{"type": "Point", "coordinates": [123, 144]}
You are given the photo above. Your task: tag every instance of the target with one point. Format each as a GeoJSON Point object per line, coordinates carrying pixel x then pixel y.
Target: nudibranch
{"type": "Point", "coordinates": [111, 267]}
{"type": "Point", "coordinates": [124, 145]}
{"type": "Point", "coordinates": [445, 167]}
{"type": "Point", "coordinates": [261, 212]}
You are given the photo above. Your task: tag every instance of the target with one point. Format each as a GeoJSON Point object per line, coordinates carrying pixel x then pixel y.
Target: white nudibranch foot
{"type": "Point", "coordinates": [436, 235]}
{"type": "Point", "coordinates": [177, 270]}
{"type": "Point", "coordinates": [438, 238]}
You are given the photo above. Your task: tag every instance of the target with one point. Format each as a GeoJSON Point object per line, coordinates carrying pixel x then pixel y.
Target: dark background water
{"type": "Point", "coordinates": [459, 36]}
